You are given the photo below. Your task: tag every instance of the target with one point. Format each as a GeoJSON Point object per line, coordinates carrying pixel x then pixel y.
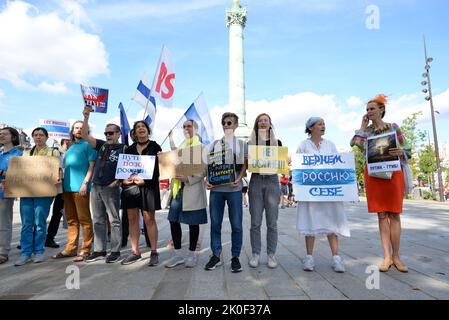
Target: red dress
{"type": "Point", "coordinates": [385, 195]}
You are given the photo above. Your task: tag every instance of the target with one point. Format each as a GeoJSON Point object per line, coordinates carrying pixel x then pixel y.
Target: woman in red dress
{"type": "Point", "coordinates": [384, 196]}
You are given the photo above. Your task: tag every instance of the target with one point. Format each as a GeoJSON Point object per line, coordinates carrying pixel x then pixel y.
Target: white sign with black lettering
{"type": "Point", "coordinates": [130, 164]}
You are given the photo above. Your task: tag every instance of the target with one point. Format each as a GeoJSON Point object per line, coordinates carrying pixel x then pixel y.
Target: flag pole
{"type": "Point", "coordinates": [154, 78]}
{"type": "Point", "coordinates": [180, 119]}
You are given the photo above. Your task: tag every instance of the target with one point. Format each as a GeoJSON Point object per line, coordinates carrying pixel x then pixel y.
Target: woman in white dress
{"type": "Point", "coordinates": [320, 218]}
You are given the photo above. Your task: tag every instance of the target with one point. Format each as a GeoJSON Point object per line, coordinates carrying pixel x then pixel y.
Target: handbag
{"type": "Point", "coordinates": [131, 191]}
{"type": "Point", "coordinates": [408, 176]}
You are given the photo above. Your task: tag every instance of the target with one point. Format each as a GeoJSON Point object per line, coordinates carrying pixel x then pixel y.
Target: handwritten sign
{"type": "Point", "coordinates": [324, 178]}
{"type": "Point", "coordinates": [378, 159]}
{"type": "Point", "coordinates": [269, 160]}
{"type": "Point", "coordinates": [32, 177]}
{"type": "Point", "coordinates": [185, 162]}
{"type": "Point", "coordinates": [221, 167]}
{"type": "Point", "coordinates": [129, 164]}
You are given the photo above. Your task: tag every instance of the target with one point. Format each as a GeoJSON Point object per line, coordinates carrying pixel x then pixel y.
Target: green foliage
{"type": "Point", "coordinates": [359, 165]}
{"type": "Point", "coordinates": [413, 137]}
{"type": "Point", "coordinates": [427, 163]}
{"type": "Point", "coordinates": [429, 195]}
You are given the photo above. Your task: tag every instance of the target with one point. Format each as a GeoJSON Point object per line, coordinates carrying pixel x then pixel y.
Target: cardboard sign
{"type": "Point", "coordinates": [378, 158]}
{"type": "Point", "coordinates": [269, 160]}
{"type": "Point", "coordinates": [324, 178]}
{"type": "Point", "coordinates": [185, 162]}
{"type": "Point", "coordinates": [129, 164]}
{"type": "Point", "coordinates": [32, 177]}
{"type": "Point", "coordinates": [221, 167]}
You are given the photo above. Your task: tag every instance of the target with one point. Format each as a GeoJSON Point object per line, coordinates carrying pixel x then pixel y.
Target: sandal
{"type": "Point", "coordinates": [81, 257]}
{"type": "Point", "coordinates": [63, 254]}
{"type": "Point", "coordinates": [3, 259]}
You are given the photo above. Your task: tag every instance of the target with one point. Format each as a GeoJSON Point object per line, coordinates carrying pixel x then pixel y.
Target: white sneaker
{"type": "Point", "coordinates": [254, 261]}
{"type": "Point", "coordinates": [309, 263]}
{"type": "Point", "coordinates": [175, 261]}
{"type": "Point", "coordinates": [272, 263]}
{"type": "Point", "coordinates": [22, 260]}
{"type": "Point", "coordinates": [191, 260]}
{"type": "Point", "coordinates": [337, 264]}
{"type": "Point", "coordinates": [38, 257]}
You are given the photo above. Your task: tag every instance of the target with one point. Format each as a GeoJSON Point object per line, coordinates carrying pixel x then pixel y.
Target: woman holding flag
{"type": "Point", "coordinates": [188, 204]}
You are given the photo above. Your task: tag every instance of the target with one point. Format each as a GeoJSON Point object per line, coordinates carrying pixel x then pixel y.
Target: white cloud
{"type": "Point", "coordinates": [290, 113]}
{"type": "Point", "coordinates": [58, 87]}
{"type": "Point", "coordinates": [47, 49]}
{"type": "Point", "coordinates": [75, 12]}
{"type": "Point", "coordinates": [354, 102]}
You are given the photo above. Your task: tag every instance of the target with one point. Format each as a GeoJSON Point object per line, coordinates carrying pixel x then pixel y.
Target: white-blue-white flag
{"type": "Point", "coordinates": [199, 112]}
{"type": "Point", "coordinates": [144, 97]}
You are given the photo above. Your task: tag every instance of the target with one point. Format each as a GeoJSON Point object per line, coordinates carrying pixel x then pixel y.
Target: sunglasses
{"type": "Point", "coordinates": [109, 133]}
{"type": "Point", "coordinates": [187, 126]}
{"type": "Point", "coordinates": [229, 123]}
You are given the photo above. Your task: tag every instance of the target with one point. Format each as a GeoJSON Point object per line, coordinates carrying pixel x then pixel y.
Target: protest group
{"type": "Point", "coordinates": [106, 186]}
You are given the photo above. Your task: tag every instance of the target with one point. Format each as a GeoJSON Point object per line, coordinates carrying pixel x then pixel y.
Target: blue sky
{"type": "Point", "coordinates": [302, 58]}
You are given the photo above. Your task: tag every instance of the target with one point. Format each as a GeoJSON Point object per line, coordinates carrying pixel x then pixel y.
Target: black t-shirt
{"type": "Point", "coordinates": [106, 163]}
{"type": "Point", "coordinates": [151, 150]}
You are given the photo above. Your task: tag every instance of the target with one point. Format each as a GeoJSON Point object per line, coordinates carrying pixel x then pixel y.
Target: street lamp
{"type": "Point", "coordinates": [429, 98]}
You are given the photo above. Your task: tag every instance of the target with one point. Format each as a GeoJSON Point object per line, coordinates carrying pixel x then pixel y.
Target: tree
{"type": "Point", "coordinates": [426, 161]}
{"type": "Point", "coordinates": [359, 165]}
{"type": "Point", "coordinates": [413, 136]}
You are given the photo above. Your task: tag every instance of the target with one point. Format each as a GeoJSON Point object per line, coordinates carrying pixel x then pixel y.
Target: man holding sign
{"type": "Point", "coordinates": [230, 152]}
{"type": "Point", "coordinates": [105, 197]}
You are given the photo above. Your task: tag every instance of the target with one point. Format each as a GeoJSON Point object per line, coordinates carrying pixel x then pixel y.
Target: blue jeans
{"type": "Point", "coordinates": [216, 207]}
{"type": "Point", "coordinates": [34, 212]}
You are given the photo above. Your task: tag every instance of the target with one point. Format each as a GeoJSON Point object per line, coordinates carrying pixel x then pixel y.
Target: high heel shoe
{"type": "Point", "coordinates": [385, 266]}
{"type": "Point", "coordinates": [400, 266]}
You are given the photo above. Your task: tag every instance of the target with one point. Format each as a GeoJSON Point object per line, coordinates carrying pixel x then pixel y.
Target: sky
{"type": "Point", "coordinates": [302, 58]}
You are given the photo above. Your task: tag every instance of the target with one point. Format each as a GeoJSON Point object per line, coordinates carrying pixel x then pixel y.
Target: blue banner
{"type": "Point", "coordinates": [324, 177]}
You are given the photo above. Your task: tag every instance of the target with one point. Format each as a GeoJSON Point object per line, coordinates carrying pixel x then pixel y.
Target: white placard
{"type": "Point", "coordinates": [129, 164]}
{"type": "Point", "coordinates": [324, 177]}
{"type": "Point", "coordinates": [378, 158]}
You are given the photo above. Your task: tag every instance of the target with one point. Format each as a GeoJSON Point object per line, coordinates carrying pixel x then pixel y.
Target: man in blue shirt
{"type": "Point", "coordinates": [79, 167]}
{"type": "Point", "coordinates": [9, 138]}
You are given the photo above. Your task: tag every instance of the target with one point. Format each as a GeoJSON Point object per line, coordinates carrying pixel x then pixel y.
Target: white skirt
{"type": "Point", "coordinates": [322, 218]}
